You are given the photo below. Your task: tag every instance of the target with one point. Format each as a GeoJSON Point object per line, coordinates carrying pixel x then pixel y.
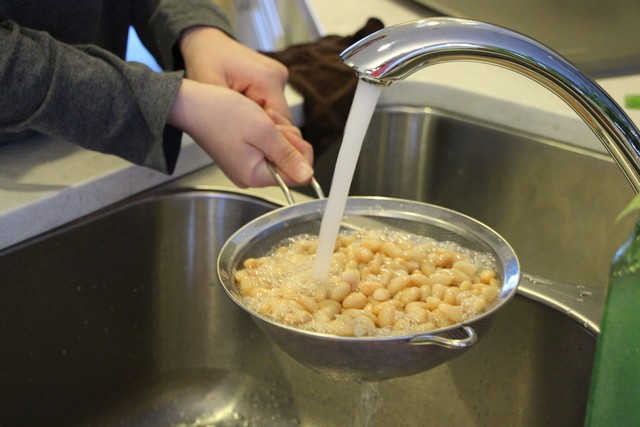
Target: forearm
{"type": "Point", "coordinates": [86, 96]}
{"type": "Point", "coordinates": [160, 24]}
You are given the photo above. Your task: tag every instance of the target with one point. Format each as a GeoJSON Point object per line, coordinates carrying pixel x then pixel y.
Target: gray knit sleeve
{"type": "Point", "coordinates": [160, 23]}
{"type": "Point", "coordinates": [87, 96]}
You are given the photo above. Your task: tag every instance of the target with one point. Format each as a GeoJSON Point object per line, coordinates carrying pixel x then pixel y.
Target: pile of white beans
{"type": "Point", "coordinates": [381, 283]}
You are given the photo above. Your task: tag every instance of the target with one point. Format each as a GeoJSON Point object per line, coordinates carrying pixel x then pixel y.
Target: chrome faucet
{"type": "Point", "coordinates": [396, 52]}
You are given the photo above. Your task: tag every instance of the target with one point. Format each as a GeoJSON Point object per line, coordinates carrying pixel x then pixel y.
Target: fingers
{"type": "Point", "coordinates": [262, 139]}
{"type": "Point", "coordinates": [293, 135]}
{"type": "Point", "coordinates": [213, 57]}
{"type": "Point", "coordinates": [301, 145]}
{"type": "Point", "coordinates": [278, 118]}
{"type": "Point", "coordinates": [239, 135]}
{"type": "Point", "coordinates": [266, 87]}
{"type": "Point", "coordinates": [288, 151]}
{"type": "Point", "coordinates": [291, 158]}
{"type": "Point", "coordinates": [290, 155]}
{"type": "Point", "coordinates": [283, 123]}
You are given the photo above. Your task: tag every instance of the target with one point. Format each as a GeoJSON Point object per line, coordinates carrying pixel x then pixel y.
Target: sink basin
{"type": "Point", "coordinates": [117, 319]}
{"type": "Point", "coordinates": [553, 202]}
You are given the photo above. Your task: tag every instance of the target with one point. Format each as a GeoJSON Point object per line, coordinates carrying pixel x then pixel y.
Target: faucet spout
{"type": "Point", "coordinates": [396, 52]}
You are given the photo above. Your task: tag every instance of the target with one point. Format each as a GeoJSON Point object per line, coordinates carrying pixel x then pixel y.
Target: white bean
{"type": "Point", "coordinates": [392, 250]}
{"type": "Point", "coordinates": [466, 267]}
{"type": "Point", "coordinates": [355, 300]}
{"type": "Point", "coordinates": [341, 326]}
{"type": "Point", "coordinates": [329, 311]}
{"type": "Point", "coordinates": [453, 313]}
{"type": "Point", "coordinates": [368, 288]}
{"type": "Point", "coordinates": [398, 283]}
{"type": "Point", "coordinates": [352, 276]}
{"type": "Point", "coordinates": [376, 284]}
{"type": "Point", "coordinates": [298, 317]}
{"type": "Point", "coordinates": [490, 293]}
{"type": "Point", "coordinates": [410, 295]}
{"type": "Point", "coordinates": [487, 275]}
{"type": "Point", "coordinates": [309, 303]}
{"type": "Point", "coordinates": [381, 294]}
{"type": "Point", "coordinates": [363, 326]}
{"type": "Point", "coordinates": [339, 291]}
{"type": "Point", "coordinates": [437, 290]}
{"type": "Point", "coordinates": [386, 316]}
{"type": "Point", "coordinates": [417, 314]}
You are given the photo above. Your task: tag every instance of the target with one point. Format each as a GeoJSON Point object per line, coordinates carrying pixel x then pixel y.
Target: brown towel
{"type": "Point", "coordinates": [326, 84]}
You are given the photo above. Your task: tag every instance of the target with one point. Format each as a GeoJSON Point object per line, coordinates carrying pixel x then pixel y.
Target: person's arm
{"type": "Point", "coordinates": [240, 135]}
{"type": "Point", "coordinates": [160, 24]}
{"type": "Point", "coordinates": [192, 33]}
{"type": "Point", "coordinates": [86, 96]}
{"type": "Point", "coordinates": [211, 56]}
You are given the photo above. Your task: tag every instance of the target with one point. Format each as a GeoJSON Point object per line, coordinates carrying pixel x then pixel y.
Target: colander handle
{"type": "Point", "coordinates": [287, 192]}
{"type": "Point", "coordinates": [461, 343]}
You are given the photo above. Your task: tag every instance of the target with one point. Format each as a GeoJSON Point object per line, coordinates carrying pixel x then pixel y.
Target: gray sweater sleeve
{"type": "Point", "coordinates": [160, 23]}
{"type": "Point", "coordinates": [86, 95]}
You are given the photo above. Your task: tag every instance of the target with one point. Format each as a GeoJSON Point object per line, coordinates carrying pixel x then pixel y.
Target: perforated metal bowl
{"type": "Point", "coordinates": [371, 358]}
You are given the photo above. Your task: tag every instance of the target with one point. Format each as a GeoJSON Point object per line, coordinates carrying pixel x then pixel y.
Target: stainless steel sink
{"type": "Point", "coordinates": [124, 298]}
{"type": "Point", "coordinates": [555, 203]}
{"type": "Point", "coordinates": [117, 319]}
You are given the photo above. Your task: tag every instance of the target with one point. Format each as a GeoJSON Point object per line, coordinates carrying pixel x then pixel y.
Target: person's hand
{"type": "Point", "coordinates": [211, 56]}
{"type": "Point", "coordinates": [240, 136]}
{"type": "Point", "coordinates": [214, 58]}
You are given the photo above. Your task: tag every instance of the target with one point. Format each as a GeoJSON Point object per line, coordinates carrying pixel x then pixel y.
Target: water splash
{"type": "Point", "coordinates": [369, 402]}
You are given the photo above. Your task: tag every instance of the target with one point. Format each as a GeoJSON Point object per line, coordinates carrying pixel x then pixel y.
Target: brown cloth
{"type": "Point", "coordinates": [326, 84]}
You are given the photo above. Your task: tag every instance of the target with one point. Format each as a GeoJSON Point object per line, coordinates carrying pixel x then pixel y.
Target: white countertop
{"type": "Point", "coordinates": [46, 183]}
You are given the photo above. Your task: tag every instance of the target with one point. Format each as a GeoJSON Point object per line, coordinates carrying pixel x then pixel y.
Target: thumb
{"type": "Point", "coordinates": [291, 162]}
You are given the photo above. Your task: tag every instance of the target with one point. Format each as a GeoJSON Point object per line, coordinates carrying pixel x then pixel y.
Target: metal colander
{"type": "Point", "coordinates": [371, 358]}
